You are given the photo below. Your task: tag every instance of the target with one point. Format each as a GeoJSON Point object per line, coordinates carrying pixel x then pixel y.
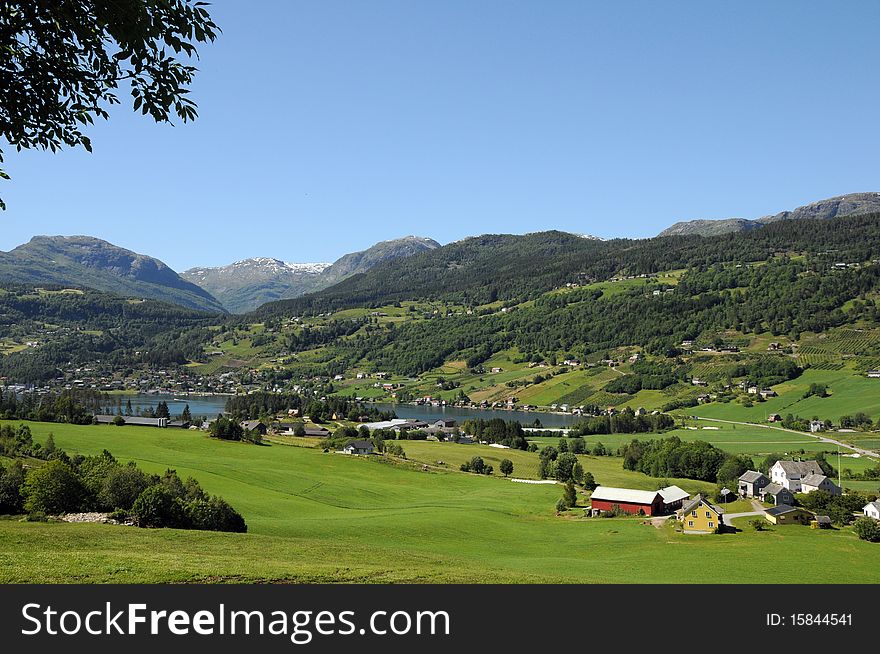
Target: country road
{"type": "Point", "coordinates": [823, 439]}
{"type": "Point", "coordinates": [728, 518]}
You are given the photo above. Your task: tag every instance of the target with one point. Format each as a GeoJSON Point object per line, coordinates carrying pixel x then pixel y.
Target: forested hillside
{"type": "Point", "coordinates": [484, 269]}
{"type": "Point", "coordinates": [56, 326]}
{"type": "Point", "coordinates": [83, 261]}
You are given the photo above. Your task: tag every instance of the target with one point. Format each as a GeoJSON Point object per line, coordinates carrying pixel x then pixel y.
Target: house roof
{"type": "Point", "coordinates": [773, 489]}
{"type": "Point", "coordinates": [251, 424]}
{"type": "Point", "coordinates": [611, 494]}
{"type": "Point", "coordinates": [800, 468]}
{"type": "Point", "coordinates": [130, 420]}
{"type": "Point", "coordinates": [823, 519]}
{"type": "Point", "coordinates": [672, 494]}
{"type": "Point", "coordinates": [360, 444]}
{"type": "Point", "coordinates": [751, 476]}
{"type": "Point", "coordinates": [813, 480]}
{"type": "Point", "coordinates": [690, 506]}
{"type": "Point", "coordinates": [782, 508]}
{"type": "Point", "coordinates": [875, 504]}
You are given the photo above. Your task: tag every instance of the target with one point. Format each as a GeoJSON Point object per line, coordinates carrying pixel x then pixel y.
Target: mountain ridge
{"type": "Point", "coordinates": [244, 285]}
{"type": "Point", "coordinates": [86, 261]}
{"type": "Point", "coordinates": [840, 205]}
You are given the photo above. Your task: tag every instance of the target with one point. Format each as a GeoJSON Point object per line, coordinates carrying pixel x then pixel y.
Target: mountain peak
{"type": "Point", "coordinates": [95, 263]}
{"type": "Point", "coordinates": [244, 285]}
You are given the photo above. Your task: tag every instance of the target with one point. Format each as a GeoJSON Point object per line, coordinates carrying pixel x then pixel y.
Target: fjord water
{"type": "Point", "coordinates": [208, 406]}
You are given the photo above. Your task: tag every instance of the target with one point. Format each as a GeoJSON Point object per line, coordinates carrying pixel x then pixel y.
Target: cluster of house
{"type": "Point", "coordinates": [786, 479]}
{"type": "Point", "coordinates": [697, 514]}
{"type": "Point", "coordinates": [441, 430]}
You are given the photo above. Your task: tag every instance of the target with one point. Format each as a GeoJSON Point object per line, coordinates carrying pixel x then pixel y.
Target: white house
{"type": "Point", "coordinates": [812, 483]}
{"type": "Point", "coordinates": [358, 447]}
{"type": "Point", "coordinates": [872, 510]}
{"type": "Point", "coordinates": [789, 474]}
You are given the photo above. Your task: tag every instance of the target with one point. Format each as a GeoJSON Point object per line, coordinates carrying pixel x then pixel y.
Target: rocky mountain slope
{"type": "Point", "coordinates": [842, 205]}
{"type": "Point", "coordinates": [245, 285]}
{"type": "Point", "coordinates": [84, 261]}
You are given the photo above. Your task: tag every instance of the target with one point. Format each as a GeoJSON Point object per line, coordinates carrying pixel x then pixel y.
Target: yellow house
{"type": "Point", "coordinates": [788, 515]}
{"type": "Point", "coordinates": [699, 514]}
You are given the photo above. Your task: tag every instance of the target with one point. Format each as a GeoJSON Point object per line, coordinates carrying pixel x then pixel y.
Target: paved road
{"type": "Point", "coordinates": [823, 439]}
{"type": "Point", "coordinates": [727, 518]}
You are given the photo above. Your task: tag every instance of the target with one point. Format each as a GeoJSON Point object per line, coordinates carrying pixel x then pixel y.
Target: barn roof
{"type": "Point", "coordinates": [611, 494]}
{"type": "Point", "coordinates": [672, 494]}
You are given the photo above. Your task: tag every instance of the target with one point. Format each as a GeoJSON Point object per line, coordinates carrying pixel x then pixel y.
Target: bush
{"type": "Point", "coordinates": [11, 479]}
{"type": "Point", "coordinates": [867, 529]}
{"type": "Point", "coordinates": [561, 505]}
{"type": "Point", "coordinates": [758, 524]}
{"type": "Point", "coordinates": [53, 488]}
{"type": "Point", "coordinates": [122, 487]}
{"type": "Point", "coordinates": [214, 514]}
{"type": "Point", "coordinates": [158, 506]}
{"type": "Point", "coordinates": [119, 421]}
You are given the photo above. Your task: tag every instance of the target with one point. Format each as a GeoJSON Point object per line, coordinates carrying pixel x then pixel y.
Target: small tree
{"type": "Point", "coordinates": [158, 506]}
{"type": "Point", "coordinates": [589, 481]}
{"type": "Point", "coordinates": [570, 495]}
{"type": "Point", "coordinates": [53, 488]}
{"type": "Point", "coordinates": [506, 467]}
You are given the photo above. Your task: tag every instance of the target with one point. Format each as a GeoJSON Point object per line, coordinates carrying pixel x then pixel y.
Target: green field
{"type": "Point", "coordinates": [316, 517]}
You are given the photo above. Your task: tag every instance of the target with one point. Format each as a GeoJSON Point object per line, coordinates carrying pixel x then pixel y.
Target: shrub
{"type": "Point", "coordinates": [122, 487]}
{"type": "Point", "coordinates": [214, 514]}
{"type": "Point", "coordinates": [11, 479]}
{"type": "Point", "coordinates": [158, 506]}
{"type": "Point", "coordinates": [867, 529]}
{"type": "Point", "coordinates": [53, 488]}
{"type": "Point", "coordinates": [119, 421]}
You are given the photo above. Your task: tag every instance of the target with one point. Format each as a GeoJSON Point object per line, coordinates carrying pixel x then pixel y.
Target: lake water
{"type": "Point", "coordinates": [209, 406]}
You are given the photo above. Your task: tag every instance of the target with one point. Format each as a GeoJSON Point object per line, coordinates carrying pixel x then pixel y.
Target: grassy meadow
{"type": "Point", "coordinates": [321, 517]}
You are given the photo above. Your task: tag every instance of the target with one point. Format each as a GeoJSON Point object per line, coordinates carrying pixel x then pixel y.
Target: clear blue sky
{"type": "Point", "coordinates": [326, 126]}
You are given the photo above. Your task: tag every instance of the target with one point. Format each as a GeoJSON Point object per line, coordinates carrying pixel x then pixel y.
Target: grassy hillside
{"type": "Point", "coordinates": [327, 517]}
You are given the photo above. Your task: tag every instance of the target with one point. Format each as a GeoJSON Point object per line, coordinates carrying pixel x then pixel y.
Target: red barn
{"type": "Point", "coordinates": [605, 498]}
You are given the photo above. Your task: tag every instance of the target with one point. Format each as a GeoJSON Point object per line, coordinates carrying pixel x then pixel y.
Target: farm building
{"type": "Point", "coordinates": [627, 500]}
{"type": "Point", "coordinates": [105, 419]}
{"type": "Point", "coordinates": [789, 473]}
{"type": "Point", "coordinates": [700, 515]}
{"type": "Point", "coordinates": [673, 498]}
{"type": "Point", "coordinates": [358, 447]}
{"type": "Point", "coordinates": [872, 510]}
{"type": "Point", "coordinates": [812, 483]}
{"type": "Point", "coordinates": [776, 494]}
{"type": "Point", "coordinates": [751, 482]}
{"type": "Point", "coordinates": [254, 425]}
{"type": "Point", "coordinates": [660, 502]}
{"type": "Point", "coordinates": [788, 515]}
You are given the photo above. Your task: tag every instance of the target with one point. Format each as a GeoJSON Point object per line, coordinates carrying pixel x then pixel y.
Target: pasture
{"type": "Point", "coordinates": [318, 517]}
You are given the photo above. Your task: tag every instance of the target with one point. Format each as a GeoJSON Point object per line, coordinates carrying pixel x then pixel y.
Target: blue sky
{"type": "Point", "coordinates": [326, 126]}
